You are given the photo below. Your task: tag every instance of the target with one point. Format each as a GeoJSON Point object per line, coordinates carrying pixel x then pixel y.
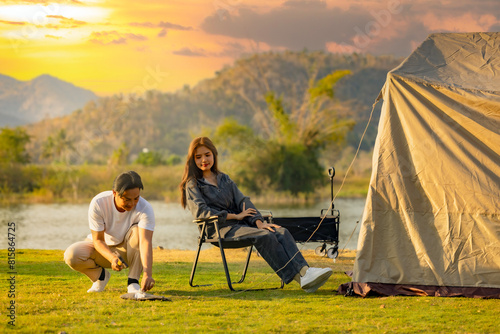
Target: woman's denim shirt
{"type": "Point", "coordinates": [205, 200]}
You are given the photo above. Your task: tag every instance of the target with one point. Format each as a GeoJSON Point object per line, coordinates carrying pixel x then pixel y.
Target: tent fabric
{"type": "Point", "coordinates": [381, 289]}
{"type": "Point", "coordinates": [432, 214]}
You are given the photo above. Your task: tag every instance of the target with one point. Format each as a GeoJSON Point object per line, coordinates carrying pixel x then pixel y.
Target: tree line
{"type": "Point", "coordinates": [278, 118]}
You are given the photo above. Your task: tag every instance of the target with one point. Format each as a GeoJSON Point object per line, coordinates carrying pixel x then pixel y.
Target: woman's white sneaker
{"type": "Point", "coordinates": [314, 278]}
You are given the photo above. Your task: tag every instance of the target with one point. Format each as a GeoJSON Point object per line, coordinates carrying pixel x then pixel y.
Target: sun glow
{"type": "Point", "coordinates": [40, 15]}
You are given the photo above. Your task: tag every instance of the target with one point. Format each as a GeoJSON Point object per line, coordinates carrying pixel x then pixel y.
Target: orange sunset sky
{"type": "Point", "coordinates": [123, 46]}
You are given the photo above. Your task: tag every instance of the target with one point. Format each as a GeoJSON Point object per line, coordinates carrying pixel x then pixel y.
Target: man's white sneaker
{"type": "Point", "coordinates": [99, 286]}
{"type": "Point", "coordinates": [314, 278]}
{"type": "Point", "coordinates": [133, 288]}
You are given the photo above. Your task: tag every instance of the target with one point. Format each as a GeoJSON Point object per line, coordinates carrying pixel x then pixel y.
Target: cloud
{"type": "Point", "coordinates": [162, 33]}
{"type": "Point", "coordinates": [466, 21]}
{"type": "Point", "coordinates": [379, 27]}
{"type": "Point", "coordinates": [165, 26]}
{"type": "Point", "coordinates": [402, 44]}
{"type": "Point", "coordinates": [143, 24]}
{"type": "Point", "coordinates": [294, 25]}
{"type": "Point", "coordinates": [226, 50]}
{"type": "Point", "coordinates": [231, 50]}
{"type": "Point", "coordinates": [495, 27]}
{"type": "Point", "coordinates": [65, 22]}
{"type": "Point", "coordinates": [52, 36]}
{"type": "Point", "coordinates": [169, 25]}
{"type": "Point", "coordinates": [13, 22]}
{"type": "Point", "coordinates": [114, 37]}
{"type": "Point", "coordinates": [161, 24]}
{"type": "Point", "coordinates": [190, 52]}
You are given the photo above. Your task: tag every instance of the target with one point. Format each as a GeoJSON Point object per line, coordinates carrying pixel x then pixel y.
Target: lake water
{"type": "Point", "coordinates": [56, 226]}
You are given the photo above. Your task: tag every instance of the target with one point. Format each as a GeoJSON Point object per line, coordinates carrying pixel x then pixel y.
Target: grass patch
{"type": "Point", "coordinates": [51, 298]}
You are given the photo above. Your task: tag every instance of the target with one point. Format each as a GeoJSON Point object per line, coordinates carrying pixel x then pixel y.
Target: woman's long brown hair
{"type": "Point", "coordinates": [191, 171]}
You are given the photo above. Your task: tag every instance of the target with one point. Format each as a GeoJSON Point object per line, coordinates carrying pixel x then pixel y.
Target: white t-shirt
{"type": "Point", "coordinates": [103, 216]}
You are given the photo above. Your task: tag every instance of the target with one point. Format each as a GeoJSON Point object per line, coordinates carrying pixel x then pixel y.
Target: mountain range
{"type": "Point", "coordinates": [44, 97]}
{"type": "Point", "coordinates": [165, 122]}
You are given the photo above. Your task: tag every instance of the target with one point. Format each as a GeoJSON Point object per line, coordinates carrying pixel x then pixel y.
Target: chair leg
{"type": "Point", "coordinates": [246, 265]}
{"type": "Point", "coordinates": [194, 267]}
{"type": "Point", "coordinates": [195, 263]}
{"type": "Point", "coordinates": [223, 256]}
{"type": "Point", "coordinates": [224, 263]}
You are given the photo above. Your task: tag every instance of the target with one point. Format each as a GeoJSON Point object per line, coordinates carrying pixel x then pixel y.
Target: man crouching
{"type": "Point", "coordinates": [121, 224]}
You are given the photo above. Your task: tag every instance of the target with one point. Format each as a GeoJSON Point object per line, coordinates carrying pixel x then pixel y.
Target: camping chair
{"type": "Point", "coordinates": [223, 243]}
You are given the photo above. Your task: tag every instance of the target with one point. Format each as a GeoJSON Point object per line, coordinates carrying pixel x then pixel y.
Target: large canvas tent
{"type": "Point", "coordinates": [431, 223]}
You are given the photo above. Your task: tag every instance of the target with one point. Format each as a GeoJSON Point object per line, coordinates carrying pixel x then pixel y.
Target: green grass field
{"type": "Point", "coordinates": [51, 298]}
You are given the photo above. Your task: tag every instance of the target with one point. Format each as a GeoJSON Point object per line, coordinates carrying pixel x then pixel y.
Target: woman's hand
{"type": "Point", "coordinates": [246, 213]}
{"type": "Point", "coordinates": [266, 226]}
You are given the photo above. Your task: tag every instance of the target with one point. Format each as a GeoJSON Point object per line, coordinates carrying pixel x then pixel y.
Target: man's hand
{"type": "Point", "coordinates": [105, 251]}
{"type": "Point", "coordinates": [116, 264]}
{"type": "Point", "coordinates": [147, 282]}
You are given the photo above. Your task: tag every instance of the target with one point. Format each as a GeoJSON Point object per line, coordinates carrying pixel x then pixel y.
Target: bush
{"type": "Point", "coordinates": [149, 158]}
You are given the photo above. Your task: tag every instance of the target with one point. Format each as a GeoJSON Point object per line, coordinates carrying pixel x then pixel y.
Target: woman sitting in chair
{"type": "Point", "coordinates": [208, 192]}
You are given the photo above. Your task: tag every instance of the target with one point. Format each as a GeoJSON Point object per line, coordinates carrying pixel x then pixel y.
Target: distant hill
{"type": "Point", "coordinates": [45, 97]}
{"type": "Point", "coordinates": [165, 122]}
